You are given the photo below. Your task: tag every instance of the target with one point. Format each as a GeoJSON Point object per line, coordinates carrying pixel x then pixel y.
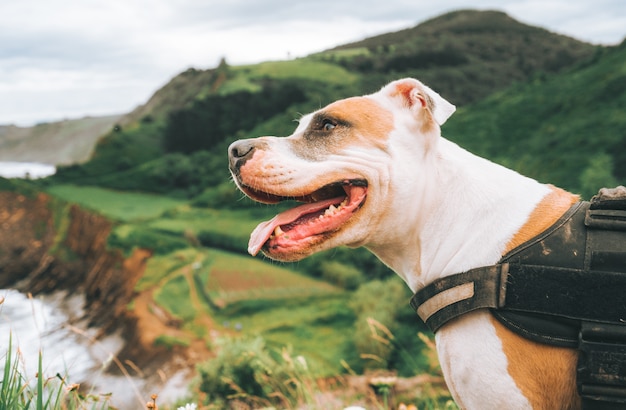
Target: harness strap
{"type": "Point", "coordinates": [595, 296]}
{"type": "Point", "coordinates": [455, 295]}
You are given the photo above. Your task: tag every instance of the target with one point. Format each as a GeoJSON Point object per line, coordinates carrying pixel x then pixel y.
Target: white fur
{"type": "Point", "coordinates": [474, 366]}
{"type": "Point", "coordinates": [450, 212]}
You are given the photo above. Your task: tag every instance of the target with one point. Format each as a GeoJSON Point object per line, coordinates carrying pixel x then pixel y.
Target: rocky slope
{"type": "Point", "coordinates": [56, 143]}
{"type": "Point", "coordinates": [47, 246]}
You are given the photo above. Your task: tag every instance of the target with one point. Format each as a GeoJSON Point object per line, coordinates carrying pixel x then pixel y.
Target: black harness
{"type": "Point", "coordinates": [566, 287]}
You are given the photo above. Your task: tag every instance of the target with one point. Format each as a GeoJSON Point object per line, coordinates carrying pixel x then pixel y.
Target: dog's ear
{"type": "Point", "coordinates": [439, 106]}
{"type": "Point", "coordinates": [414, 92]}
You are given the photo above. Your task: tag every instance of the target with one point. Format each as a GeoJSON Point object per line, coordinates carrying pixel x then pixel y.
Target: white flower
{"type": "Point", "coordinates": [188, 406]}
{"type": "Point", "coordinates": [302, 361]}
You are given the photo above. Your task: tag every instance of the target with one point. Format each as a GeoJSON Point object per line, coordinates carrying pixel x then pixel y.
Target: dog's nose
{"type": "Point", "coordinates": [239, 152]}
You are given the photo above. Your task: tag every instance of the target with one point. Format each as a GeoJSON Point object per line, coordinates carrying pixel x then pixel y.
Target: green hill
{"type": "Point", "coordinates": [465, 54]}
{"type": "Point", "coordinates": [568, 129]}
{"type": "Point", "coordinates": [175, 143]}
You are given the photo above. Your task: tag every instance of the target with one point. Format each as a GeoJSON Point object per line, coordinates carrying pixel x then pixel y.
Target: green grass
{"type": "Point", "coordinates": [316, 327]}
{"type": "Point", "coordinates": [232, 222]}
{"type": "Point", "coordinates": [304, 68]}
{"type": "Point", "coordinates": [159, 267]}
{"type": "Point", "coordinates": [122, 206]}
{"type": "Point", "coordinates": [343, 53]}
{"type": "Point", "coordinates": [239, 82]}
{"type": "Point", "coordinates": [233, 277]}
{"type": "Point", "coordinates": [245, 78]}
{"type": "Point", "coordinates": [542, 128]}
{"type": "Point", "coordinates": [17, 391]}
{"type": "Point", "coordinates": [174, 296]}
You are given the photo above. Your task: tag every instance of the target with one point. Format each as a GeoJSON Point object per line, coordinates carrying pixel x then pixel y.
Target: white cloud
{"type": "Point", "coordinates": [68, 58]}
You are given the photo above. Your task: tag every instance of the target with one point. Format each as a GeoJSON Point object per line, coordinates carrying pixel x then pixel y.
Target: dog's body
{"type": "Point", "coordinates": [375, 172]}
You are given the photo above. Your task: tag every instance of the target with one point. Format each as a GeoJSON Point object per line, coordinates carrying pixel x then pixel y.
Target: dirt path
{"type": "Point", "coordinates": [154, 321]}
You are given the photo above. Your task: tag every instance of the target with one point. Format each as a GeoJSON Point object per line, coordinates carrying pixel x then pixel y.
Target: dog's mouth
{"type": "Point", "coordinates": [324, 211]}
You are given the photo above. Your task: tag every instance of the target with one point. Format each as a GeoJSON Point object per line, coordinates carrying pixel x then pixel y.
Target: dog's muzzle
{"type": "Point", "coordinates": [241, 151]}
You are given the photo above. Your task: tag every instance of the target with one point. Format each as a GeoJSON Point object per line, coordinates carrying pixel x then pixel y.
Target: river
{"type": "Point", "coordinates": [53, 325]}
{"type": "Point", "coordinates": [30, 170]}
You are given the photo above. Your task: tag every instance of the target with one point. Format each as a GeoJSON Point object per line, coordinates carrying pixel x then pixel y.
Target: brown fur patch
{"type": "Point", "coordinates": [368, 122]}
{"type": "Point", "coordinates": [359, 121]}
{"type": "Point", "coordinates": [548, 211]}
{"type": "Point", "coordinates": [545, 374]}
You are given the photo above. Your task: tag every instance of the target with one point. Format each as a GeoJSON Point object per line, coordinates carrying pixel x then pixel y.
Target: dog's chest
{"type": "Point", "coordinates": [475, 366]}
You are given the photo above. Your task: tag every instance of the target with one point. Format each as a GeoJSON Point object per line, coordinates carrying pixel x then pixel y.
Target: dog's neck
{"type": "Point", "coordinates": [470, 211]}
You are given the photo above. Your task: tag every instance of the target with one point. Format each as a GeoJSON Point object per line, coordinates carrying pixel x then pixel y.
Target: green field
{"type": "Point", "coordinates": [117, 205]}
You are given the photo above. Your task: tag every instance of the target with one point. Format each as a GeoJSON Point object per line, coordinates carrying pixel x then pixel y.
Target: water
{"type": "Point", "coordinates": [52, 325]}
{"type": "Point", "coordinates": [31, 170]}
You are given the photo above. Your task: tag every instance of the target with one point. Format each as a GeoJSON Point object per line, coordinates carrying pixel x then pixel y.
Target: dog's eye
{"type": "Point", "coordinates": [327, 125]}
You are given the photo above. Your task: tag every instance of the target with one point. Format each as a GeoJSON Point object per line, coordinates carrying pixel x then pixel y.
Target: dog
{"type": "Point", "coordinates": [374, 171]}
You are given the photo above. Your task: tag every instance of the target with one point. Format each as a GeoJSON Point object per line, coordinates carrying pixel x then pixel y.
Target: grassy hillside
{"type": "Point", "coordinates": [569, 130]}
{"type": "Point", "coordinates": [466, 55]}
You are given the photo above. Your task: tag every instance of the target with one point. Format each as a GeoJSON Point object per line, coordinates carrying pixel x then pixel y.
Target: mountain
{"type": "Point", "coordinates": [55, 143]}
{"type": "Point", "coordinates": [176, 142]}
{"type": "Point", "coordinates": [465, 54]}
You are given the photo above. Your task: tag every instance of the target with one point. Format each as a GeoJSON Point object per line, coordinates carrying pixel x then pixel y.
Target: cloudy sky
{"type": "Point", "coordinates": [69, 58]}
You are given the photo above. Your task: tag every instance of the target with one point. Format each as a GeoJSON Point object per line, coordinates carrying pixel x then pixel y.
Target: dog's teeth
{"type": "Point", "coordinates": [278, 231]}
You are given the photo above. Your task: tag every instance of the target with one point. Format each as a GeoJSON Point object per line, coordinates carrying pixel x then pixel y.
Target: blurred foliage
{"type": "Point", "coordinates": [376, 304]}
{"type": "Point", "coordinates": [251, 373]}
{"type": "Point", "coordinates": [568, 129]}
{"type": "Point", "coordinates": [210, 121]}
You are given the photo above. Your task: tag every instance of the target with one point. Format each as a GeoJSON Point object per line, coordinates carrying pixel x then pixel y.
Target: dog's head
{"type": "Point", "coordinates": [351, 163]}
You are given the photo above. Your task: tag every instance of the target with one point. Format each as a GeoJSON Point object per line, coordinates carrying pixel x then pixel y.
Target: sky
{"type": "Point", "coordinates": [65, 59]}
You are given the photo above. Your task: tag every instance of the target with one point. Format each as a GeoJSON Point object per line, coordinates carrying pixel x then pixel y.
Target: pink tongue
{"type": "Point", "coordinates": [265, 229]}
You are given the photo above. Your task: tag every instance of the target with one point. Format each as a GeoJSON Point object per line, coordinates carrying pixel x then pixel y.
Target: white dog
{"type": "Point", "coordinates": [374, 171]}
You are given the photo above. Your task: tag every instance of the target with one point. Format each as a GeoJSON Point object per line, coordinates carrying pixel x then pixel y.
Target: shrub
{"type": "Point", "coordinates": [160, 243]}
{"type": "Point", "coordinates": [340, 274]}
{"type": "Point", "coordinates": [224, 195]}
{"type": "Point", "coordinates": [231, 243]}
{"type": "Point", "coordinates": [248, 371]}
{"type": "Point", "coordinates": [376, 306]}
{"type": "Point", "coordinates": [169, 342]}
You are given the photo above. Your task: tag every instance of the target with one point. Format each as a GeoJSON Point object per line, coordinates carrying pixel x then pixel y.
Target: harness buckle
{"type": "Point", "coordinates": [601, 371]}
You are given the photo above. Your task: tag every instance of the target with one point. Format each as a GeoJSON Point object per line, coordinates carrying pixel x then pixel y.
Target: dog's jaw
{"type": "Point", "coordinates": [297, 231]}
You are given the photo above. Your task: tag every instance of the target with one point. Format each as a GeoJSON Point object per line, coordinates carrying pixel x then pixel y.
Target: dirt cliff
{"type": "Point", "coordinates": [47, 245]}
